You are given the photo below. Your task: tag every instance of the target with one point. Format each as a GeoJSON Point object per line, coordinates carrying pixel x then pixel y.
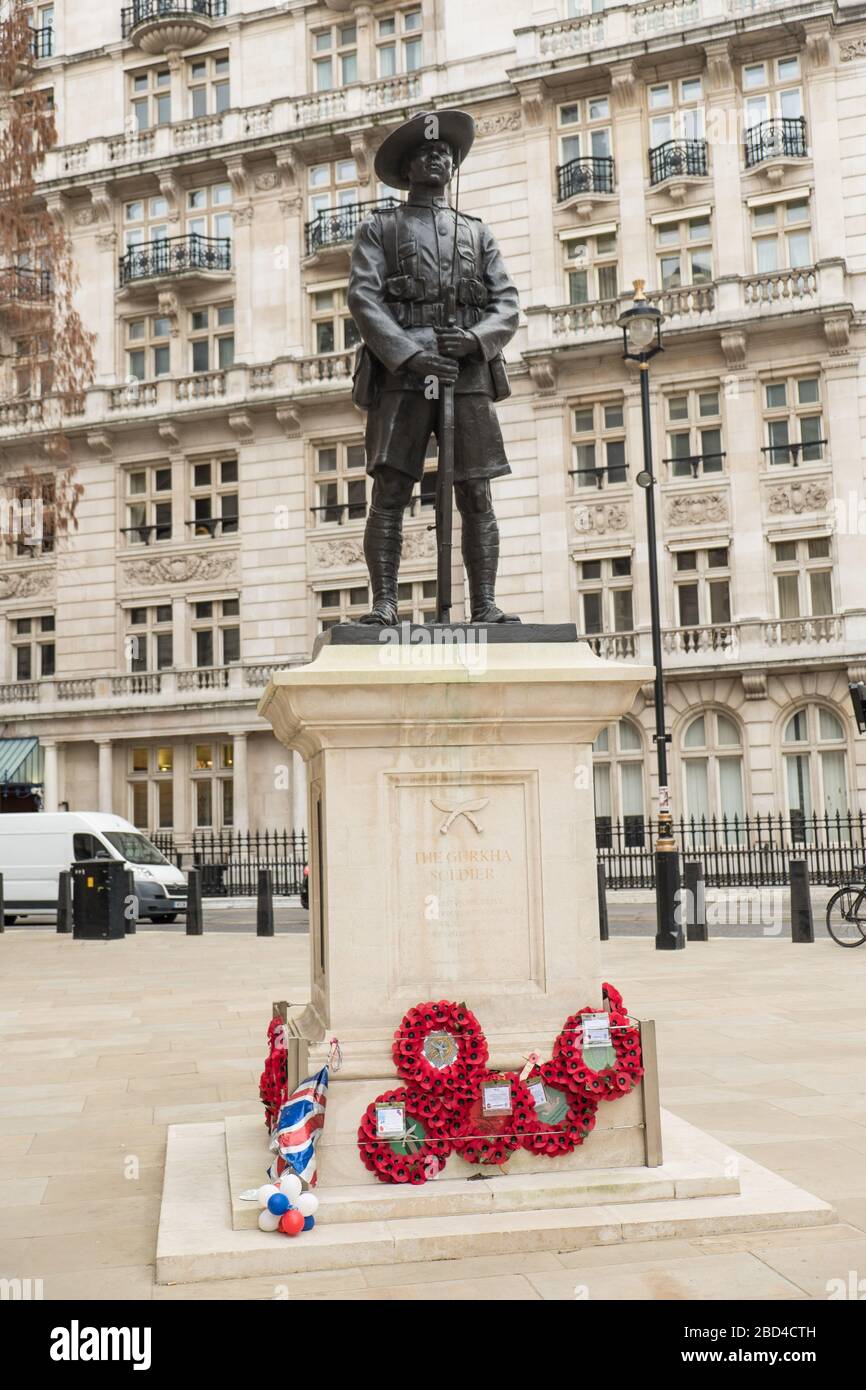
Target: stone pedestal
{"type": "Point", "coordinates": [452, 845]}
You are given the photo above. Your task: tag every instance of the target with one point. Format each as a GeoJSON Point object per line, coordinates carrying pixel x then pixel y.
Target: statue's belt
{"type": "Point", "coordinates": [406, 289]}
{"type": "Point", "coordinates": [412, 315]}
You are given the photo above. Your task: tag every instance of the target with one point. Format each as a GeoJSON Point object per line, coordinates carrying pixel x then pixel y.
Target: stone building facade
{"type": "Point", "coordinates": [214, 157]}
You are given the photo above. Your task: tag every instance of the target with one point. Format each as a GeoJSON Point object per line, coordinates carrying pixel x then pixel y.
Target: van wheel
{"type": "Point", "coordinates": [165, 917]}
{"type": "Point", "coordinates": [9, 919]}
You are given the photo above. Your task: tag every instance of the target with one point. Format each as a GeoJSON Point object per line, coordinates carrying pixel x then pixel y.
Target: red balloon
{"type": "Point", "coordinates": [291, 1223]}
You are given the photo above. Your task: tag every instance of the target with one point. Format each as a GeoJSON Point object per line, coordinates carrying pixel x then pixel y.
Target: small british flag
{"type": "Point", "coordinates": [298, 1127]}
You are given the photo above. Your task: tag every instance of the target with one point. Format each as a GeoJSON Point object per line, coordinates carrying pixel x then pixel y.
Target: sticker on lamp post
{"type": "Point", "coordinates": [496, 1098]}
{"type": "Point", "coordinates": [391, 1121]}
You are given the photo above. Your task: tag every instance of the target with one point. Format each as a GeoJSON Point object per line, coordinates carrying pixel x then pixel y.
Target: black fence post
{"type": "Point", "coordinates": [64, 901]}
{"type": "Point", "coordinates": [131, 902]}
{"type": "Point", "coordinates": [2, 907]}
{"type": "Point", "coordinates": [265, 904]}
{"type": "Point", "coordinates": [194, 920]}
{"type": "Point", "coordinates": [603, 928]}
{"type": "Point", "coordinates": [694, 892]}
{"type": "Point", "coordinates": [802, 925]}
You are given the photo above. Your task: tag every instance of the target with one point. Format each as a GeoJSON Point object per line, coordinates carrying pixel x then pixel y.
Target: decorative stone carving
{"type": "Point", "coordinates": [755, 685]}
{"type": "Point", "coordinates": [169, 308]}
{"type": "Point", "coordinates": [237, 173]}
{"type": "Point", "coordinates": [242, 214]}
{"type": "Point", "coordinates": [290, 421]}
{"type": "Point", "coordinates": [497, 125]}
{"type": "Point", "coordinates": [695, 509]}
{"type": "Point", "coordinates": [360, 147]}
{"type": "Point", "coordinates": [101, 202]}
{"type": "Point", "coordinates": [734, 347]}
{"type": "Point", "coordinates": [720, 69]}
{"type": "Point", "coordinates": [533, 100]}
{"type": "Point", "coordinates": [601, 519]}
{"type": "Point", "coordinates": [180, 569]}
{"type": "Point", "coordinates": [242, 423]}
{"type": "Point", "coordinates": [543, 372]}
{"type": "Point", "coordinates": [266, 180]}
{"type": "Point", "coordinates": [106, 240]}
{"type": "Point", "coordinates": [338, 553]}
{"type": "Point", "coordinates": [625, 87]}
{"type": "Point", "coordinates": [837, 331]}
{"type": "Point", "coordinates": [26, 583]}
{"type": "Point", "coordinates": [854, 48]}
{"type": "Point", "coordinates": [857, 674]}
{"type": "Point", "coordinates": [419, 544]}
{"type": "Point", "coordinates": [99, 441]}
{"type": "Point", "coordinates": [167, 432]}
{"type": "Point", "coordinates": [171, 191]}
{"type": "Point", "coordinates": [798, 497]}
{"type": "Point", "coordinates": [84, 217]}
{"type": "Point", "coordinates": [818, 47]}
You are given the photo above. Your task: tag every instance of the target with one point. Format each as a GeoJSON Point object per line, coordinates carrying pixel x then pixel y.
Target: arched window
{"type": "Point", "coordinates": [712, 759]}
{"type": "Point", "coordinates": [618, 782]}
{"type": "Point", "coordinates": [813, 747]}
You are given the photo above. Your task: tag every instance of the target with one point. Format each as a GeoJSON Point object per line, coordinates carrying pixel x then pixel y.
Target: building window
{"type": "Point", "coordinates": [333, 326]}
{"type": "Point", "coordinates": [598, 445]}
{"type": "Point", "coordinates": [212, 338]}
{"type": "Point", "coordinates": [214, 497]}
{"type": "Point", "coordinates": [772, 90]}
{"type": "Point", "coordinates": [416, 601]}
{"type": "Point", "coordinates": [29, 506]}
{"type": "Point", "coordinates": [33, 647]}
{"type": "Point", "coordinates": [814, 752]}
{"type": "Point", "coordinates": [781, 236]}
{"type": "Point", "coordinates": [149, 643]}
{"type": "Point", "coordinates": [694, 434]}
{"type": "Point", "coordinates": [150, 783]}
{"type": "Point", "coordinates": [584, 130]}
{"type": "Point", "coordinates": [605, 595]}
{"type": "Point", "coordinates": [676, 111]}
{"type": "Point", "coordinates": [148, 351]}
{"type": "Point", "coordinates": [33, 371]}
{"type": "Point", "coordinates": [145, 220]}
{"type": "Point", "coordinates": [213, 788]}
{"type": "Point", "coordinates": [340, 483]}
{"type": "Point", "coordinates": [703, 587]}
{"type": "Point", "coordinates": [342, 605]}
{"type": "Point", "coordinates": [148, 504]}
{"type": "Point", "coordinates": [335, 57]}
{"type": "Point", "coordinates": [332, 186]}
{"type": "Point", "coordinates": [208, 85]}
{"type": "Point", "coordinates": [712, 760]}
{"type": "Point", "coordinates": [793, 421]}
{"type": "Point", "coordinates": [216, 632]}
{"type": "Point", "coordinates": [207, 211]}
{"type": "Point", "coordinates": [684, 252]}
{"type": "Point", "coordinates": [591, 267]}
{"type": "Point", "coordinates": [399, 43]}
{"type": "Point", "coordinates": [150, 98]}
{"type": "Point", "coordinates": [618, 785]}
{"type": "Point", "coordinates": [803, 572]}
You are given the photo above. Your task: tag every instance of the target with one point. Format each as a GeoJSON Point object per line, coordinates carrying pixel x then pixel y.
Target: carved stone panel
{"type": "Point", "coordinates": [26, 583]}
{"type": "Point", "coordinates": [179, 569]}
{"type": "Point", "coordinates": [696, 509]}
{"type": "Point", "coordinates": [798, 497]}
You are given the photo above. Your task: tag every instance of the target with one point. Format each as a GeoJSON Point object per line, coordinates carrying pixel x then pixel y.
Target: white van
{"type": "Point", "coordinates": [35, 846]}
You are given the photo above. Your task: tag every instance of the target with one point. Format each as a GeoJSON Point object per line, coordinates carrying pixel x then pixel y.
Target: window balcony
{"type": "Point", "coordinates": [784, 138]}
{"type": "Point", "coordinates": [339, 513]}
{"type": "Point", "coordinates": [175, 255]}
{"type": "Point", "coordinates": [716, 638]}
{"type": "Point", "coordinates": [697, 465]}
{"type": "Point", "coordinates": [603, 476]}
{"type": "Point", "coordinates": [677, 159]}
{"type": "Point", "coordinates": [43, 42]}
{"type": "Point", "coordinates": [612, 646]}
{"type": "Point", "coordinates": [157, 26]}
{"type": "Point", "coordinates": [23, 286]}
{"type": "Point", "coordinates": [812, 451]}
{"type": "Point", "coordinates": [591, 175]}
{"type": "Point", "coordinates": [336, 226]}
{"type": "Point", "coordinates": [213, 526]}
{"type": "Point", "coordinates": [328, 369]}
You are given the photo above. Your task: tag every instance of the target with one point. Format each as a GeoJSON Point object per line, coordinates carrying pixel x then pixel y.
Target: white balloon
{"type": "Point", "coordinates": [291, 1185]}
{"type": "Point", "coordinates": [264, 1193]}
{"type": "Point", "coordinates": [307, 1204]}
{"type": "Point", "coordinates": [268, 1221]}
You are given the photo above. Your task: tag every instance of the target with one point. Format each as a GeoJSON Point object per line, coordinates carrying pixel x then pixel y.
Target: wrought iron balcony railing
{"type": "Point", "coordinates": [593, 175]}
{"type": "Point", "coordinates": [18, 282]}
{"type": "Point", "coordinates": [810, 451]}
{"type": "Point", "coordinates": [785, 136]}
{"type": "Point", "coordinates": [678, 158]}
{"type": "Point", "coordinates": [695, 463]}
{"type": "Point", "coordinates": [43, 42]}
{"type": "Point", "coordinates": [214, 526]}
{"type": "Point", "coordinates": [332, 226]}
{"type": "Point", "coordinates": [174, 255]}
{"type": "Point", "coordinates": [610, 473]}
{"type": "Point", "coordinates": [143, 11]}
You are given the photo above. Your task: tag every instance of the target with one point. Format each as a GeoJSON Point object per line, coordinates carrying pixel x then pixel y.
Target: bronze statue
{"type": "Point", "coordinates": [434, 306]}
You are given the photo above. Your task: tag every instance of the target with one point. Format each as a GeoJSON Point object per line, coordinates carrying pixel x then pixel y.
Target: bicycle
{"type": "Point", "coordinates": [846, 914]}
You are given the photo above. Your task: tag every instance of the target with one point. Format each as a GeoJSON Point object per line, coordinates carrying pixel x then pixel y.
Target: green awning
{"type": "Point", "coordinates": [20, 762]}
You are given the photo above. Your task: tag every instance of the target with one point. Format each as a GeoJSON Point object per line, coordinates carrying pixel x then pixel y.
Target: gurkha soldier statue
{"type": "Point", "coordinates": [434, 306]}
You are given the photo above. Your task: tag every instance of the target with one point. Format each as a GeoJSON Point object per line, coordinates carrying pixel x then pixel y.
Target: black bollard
{"type": "Point", "coordinates": [802, 925]}
{"type": "Point", "coordinates": [194, 918]}
{"type": "Point", "coordinates": [64, 901]}
{"type": "Point", "coordinates": [265, 904]}
{"type": "Point", "coordinates": [603, 928]}
{"type": "Point", "coordinates": [2, 907]}
{"type": "Point", "coordinates": [130, 906]}
{"type": "Point", "coordinates": [695, 896]}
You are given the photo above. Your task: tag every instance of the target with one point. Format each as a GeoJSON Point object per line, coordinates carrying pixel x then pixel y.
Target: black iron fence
{"type": "Point", "coordinates": [769, 139]}
{"type": "Point", "coordinates": [751, 852]}
{"type": "Point", "coordinates": [174, 255]}
{"type": "Point", "coordinates": [332, 226]}
{"type": "Point", "coordinates": [143, 11]}
{"type": "Point", "coordinates": [593, 174]}
{"type": "Point", "coordinates": [677, 158]}
{"type": "Point", "coordinates": [230, 859]}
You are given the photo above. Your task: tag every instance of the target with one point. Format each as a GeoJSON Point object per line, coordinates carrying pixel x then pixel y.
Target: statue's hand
{"type": "Point", "coordinates": [457, 342]}
{"type": "Point", "coordinates": [431, 364]}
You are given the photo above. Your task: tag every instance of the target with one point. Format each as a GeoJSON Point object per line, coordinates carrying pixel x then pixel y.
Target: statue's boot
{"type": "Point", "coordinates": [383, 540]}
{"type": "Point", "coordinates": [481, 558]}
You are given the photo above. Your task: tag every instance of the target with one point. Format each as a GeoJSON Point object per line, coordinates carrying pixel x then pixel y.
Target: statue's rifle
{"type": "Point", "coordinates": [445, 469]}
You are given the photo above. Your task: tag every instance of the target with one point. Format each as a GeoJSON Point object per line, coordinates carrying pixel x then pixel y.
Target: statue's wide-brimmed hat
{"type": "Point", "coordinates": [457, 127]}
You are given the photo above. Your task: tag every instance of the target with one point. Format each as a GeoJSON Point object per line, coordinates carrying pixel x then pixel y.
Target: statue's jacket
{"type": "Point", "coordinates": [402, 262]}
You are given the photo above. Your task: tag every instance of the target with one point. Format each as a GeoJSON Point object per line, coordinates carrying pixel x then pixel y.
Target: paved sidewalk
{"type": "Point", "coordinates": [102, 1045]}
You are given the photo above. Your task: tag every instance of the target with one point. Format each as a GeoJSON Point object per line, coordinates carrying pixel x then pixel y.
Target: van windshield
{"type": "Point", "coordinates": [135, 849]}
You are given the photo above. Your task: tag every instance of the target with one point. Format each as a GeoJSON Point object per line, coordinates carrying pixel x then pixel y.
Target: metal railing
{"type": "Point", "coordinates": [678, 158]}
{"type": "Point", "coordinates": [810, 450]}
{"type": "Point", "coordinates": [230, 860]}
{"type": "Point", "coordinates": [737, 852]}
{"type": "Point", "coordinates": [697, 463]}
{"type": "Point", "coordinates": [19, 282]}
{"type": "Point", "coordinates": [143, 11]}
{"type": "Point", "coordinates": [43, 42]}
{"type": "Point", "coordinates": [785, 136]}
{"type": "Point", "coordinates": [591, 175]}
{"type": "Point", "coordinates": [333, 226]}
{"type": "Point", "coordinates": [174, 255]}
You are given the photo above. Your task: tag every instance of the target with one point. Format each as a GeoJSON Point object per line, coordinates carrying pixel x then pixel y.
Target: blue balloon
{"type": "Point", "coordinates": [309, 1222]}
{"type": "Point", "coordinates": [278, 1203]}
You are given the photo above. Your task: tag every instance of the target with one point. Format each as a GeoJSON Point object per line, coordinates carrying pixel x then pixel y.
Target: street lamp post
{"type": "Point", "coordinates": [642, 339]}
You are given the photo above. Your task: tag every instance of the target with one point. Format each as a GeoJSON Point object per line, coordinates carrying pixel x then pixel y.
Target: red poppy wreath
{"type": "Point", "coordinates": [440, 1047]}
{"type": "Point", "coordinates": [420, 1151]}
{"type": "Point", "coordinates": [273, 1085]}
{"type": "Point", "coordinates": [564, 1118]}
{"type": "Point", "coordinates": [489, 1135]}
{"type": "Point", "coordinates": [604, 1071]}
